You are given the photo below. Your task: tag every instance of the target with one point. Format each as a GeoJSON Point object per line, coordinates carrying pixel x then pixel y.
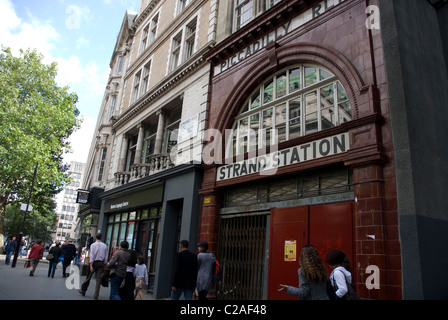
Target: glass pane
{"type": "Point", "coordinates": [246, 108]}
{"type": "Point", "coordinates": [344, 109]}
{"type": "Point", "coordinates": [294, 80]}
{"type": "Point", "coordinates": [280, 122]}
{"type": "Point", "coordinates": [144, 214]}
{"type": "Point", "coordinates": [154, 212]}
{"type": "Point", "coordinates": [268, 91]}
{"type": "Point", "coordinates": [342, 95]}
{"type": "Point", "coordinates": [324, 74]}
{"type": "Point", "coordinates": [281, 85]}
{"type": "Point", "coordinates": [243, 133]}
{"type": "Point", "coordinates": [294, 119]}
{"type": "Point", "coordinates": [311, 112]}
{"type": "Point", "coordinates": [253, 136]}
{"type": "Point", "coordinates": [255, 102]}
{"type": "Point", "coordinates": [345, 112]}
{"type": "Point", "coordinates": [267, 125]}
{"type": "Point", "coordinates": [310, 76]}
{"type": "Point", "coordinates": [327, 107]}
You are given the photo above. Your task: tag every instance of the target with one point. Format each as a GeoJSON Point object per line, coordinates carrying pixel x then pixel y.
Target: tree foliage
{"type": "Point", "coordinates": [36, 119]}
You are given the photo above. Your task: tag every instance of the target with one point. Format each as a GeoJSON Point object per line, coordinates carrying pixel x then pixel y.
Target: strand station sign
{"type": "Point", "coordinates": [293, 24]}
{"type": "Point", "coordinates": [269, 163]}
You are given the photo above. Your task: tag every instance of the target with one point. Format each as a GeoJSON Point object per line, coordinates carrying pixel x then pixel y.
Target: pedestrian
{"type": "Point", "coordinates": [22, 246]}
{"type": "Point", "coordinates": [312, 277]}
{"type": "Point", "coordinates": [206, 264]}
{"type": "Point", "coordinates": [10, 248]}
{"type": "Point", "coordinates": [36, 253]}
{"type": "Point", "coordinates": [69, 253]}
{"type": "Point", "coordinates": [56, 251]}
{"type": "Point", "coordinates": [127, 288]}
{"type": "Point", "coordinates": [341, 276]}
{"type": "Point", "coordinates": [141, 277]}
{"type": "Point", "coordinates": [117, 266]}
{"type": "Point", "coordinates": [185, 274]}
{"type": "Point", "coordinates": [97, 262]}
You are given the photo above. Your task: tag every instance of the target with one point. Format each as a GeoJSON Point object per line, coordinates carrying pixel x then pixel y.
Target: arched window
{"type": "Point", "coordinates": [293, 103]}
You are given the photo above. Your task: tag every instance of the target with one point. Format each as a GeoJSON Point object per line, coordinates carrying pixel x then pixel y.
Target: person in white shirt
{"type": "Point", "coordinates": [98, 260]}
{"type": "Point", "coordinates": [141, 277]}
{"type": "Point", "coordinates": [341, 274]}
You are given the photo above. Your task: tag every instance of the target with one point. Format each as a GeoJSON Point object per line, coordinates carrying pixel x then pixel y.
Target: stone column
{"type": "Point", "coordinates": [140, 140]}
{"type": "Point", "coordinates": [123, 153]}
{"type": "Point", "coordinates": [160, 130]}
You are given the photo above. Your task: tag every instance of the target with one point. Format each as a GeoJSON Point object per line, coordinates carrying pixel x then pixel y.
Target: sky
{"type": "Point", "coordinates": [79, 35]}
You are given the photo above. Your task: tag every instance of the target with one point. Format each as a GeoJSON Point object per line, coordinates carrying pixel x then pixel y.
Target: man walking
{"type": "Point", "coordinates": [185, 274]}
{"type": "Point", "coordinates": [98, 259]}
{"type": "Point", "coordinates": [69, 253]}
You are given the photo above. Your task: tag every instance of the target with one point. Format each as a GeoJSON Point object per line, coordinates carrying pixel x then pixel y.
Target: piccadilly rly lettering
{"type": "Point", "coordinates": [278, 33]}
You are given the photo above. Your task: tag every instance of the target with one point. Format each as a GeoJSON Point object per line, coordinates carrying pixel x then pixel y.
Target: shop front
{"type": "Point", "coordinates": [153, 215]}
{"type": "Point", "coordinates": [307, 157]}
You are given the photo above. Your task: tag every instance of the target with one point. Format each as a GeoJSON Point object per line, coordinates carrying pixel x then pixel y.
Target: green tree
{"type": "Point", "coordinates": [36, 119]}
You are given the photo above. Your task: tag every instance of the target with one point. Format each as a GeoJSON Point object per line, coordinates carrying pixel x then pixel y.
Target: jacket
{"type": "Point", "coordinates": [309, 290]}
{"type": "Point", "coordinates": [68, 251]}
{"type": "Point", "coordinates": [339, 278]}
{"type": "Point", "coordinates": [56, 251]}
{"type": "Point", "coordinates": [37, 251]}
{"type": "Point", "coordinates": [186, 272]}
{"type": "Point", "coordinates": [119, 263]}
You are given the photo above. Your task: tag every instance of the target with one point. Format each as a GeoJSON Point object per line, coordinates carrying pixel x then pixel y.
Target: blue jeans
{"type": "Point", "coordinates": [188, 294]}
{"type": "Point", "coordinates": [115, 283]}
{"type": "Point", "coordinates": [52, 267]}
{"type": "Point", "coordinates": [8, 256]}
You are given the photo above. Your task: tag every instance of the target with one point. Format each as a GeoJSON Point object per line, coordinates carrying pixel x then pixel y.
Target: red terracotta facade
{"type": "Point", "coordinates": [339, 41]}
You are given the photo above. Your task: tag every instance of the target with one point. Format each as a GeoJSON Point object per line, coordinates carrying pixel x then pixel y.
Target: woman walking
{"type": "Point", "coordinates": [56, 251]}
{"type": "Point", "coordinates": [36, 253]}
{"type": "Point", "coordinates": [312, 277]}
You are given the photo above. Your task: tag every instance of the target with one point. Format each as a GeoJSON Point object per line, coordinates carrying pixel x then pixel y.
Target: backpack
{"type": "Point", "coordinates": [217, 274]}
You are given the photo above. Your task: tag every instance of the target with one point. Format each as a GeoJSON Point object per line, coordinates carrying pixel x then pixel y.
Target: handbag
{"type": "Point", "coordinates": [350, 295]}
{"type": "Point", "coordinates": [50, 257]}
{"type": "Point", "coordinates": [104, 281]}
{"type": "Point", "coordinates": [27, 264]}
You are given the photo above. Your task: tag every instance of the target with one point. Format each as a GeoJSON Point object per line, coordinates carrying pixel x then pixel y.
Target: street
{"type": "Point", "coordinates": [16, 284]}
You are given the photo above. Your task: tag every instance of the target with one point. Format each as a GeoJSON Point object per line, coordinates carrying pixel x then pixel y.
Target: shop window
{"type": "Point", "coordinates": [295, 102]}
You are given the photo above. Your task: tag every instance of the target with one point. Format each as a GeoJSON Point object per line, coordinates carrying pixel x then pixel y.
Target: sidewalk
{"type": "Point", "coordinates": [16, 284]}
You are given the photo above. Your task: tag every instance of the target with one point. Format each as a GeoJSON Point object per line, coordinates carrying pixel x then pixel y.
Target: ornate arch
{"type": "Point", "coordinates": [277, 58]}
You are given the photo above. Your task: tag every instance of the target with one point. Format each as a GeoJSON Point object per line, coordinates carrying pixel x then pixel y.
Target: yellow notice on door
{"type": "Point", "coordinates": [290, 250]}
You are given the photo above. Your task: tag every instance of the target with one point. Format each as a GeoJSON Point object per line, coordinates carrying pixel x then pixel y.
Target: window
{"type": "Point", "coordinates": [190, 35]}
{"type": "Point", "coordinates": [182, 4]}
{"type": "Point", "coordinates": [150, 141]}
{"type": "Point", "coordinates": [144, 42]}
{"type": "Point", "coordinates": [136, 88]}
{"type": "Point", "coordinates": [175, 51]}
{"type": "Point", "coordinates": [120, 66]}
{"type": "Point", "coordinates": [295, 102]}
{"type": "Point", "coordinates": [246, 10]}
{"type": "Point", "coordinates": [153, 29]}
{"type": "Point", "coordinates": [102, 163]}
{"type": "Point", "coordinates": [145, 83]}
{"type": "Point", "coordinates": [112, 103]}
{"type": "Point", "coordinates": [171, 130]}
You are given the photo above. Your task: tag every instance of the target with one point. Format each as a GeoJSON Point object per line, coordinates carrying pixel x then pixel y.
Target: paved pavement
{"type": "Point", "coordinates": [16, 284]}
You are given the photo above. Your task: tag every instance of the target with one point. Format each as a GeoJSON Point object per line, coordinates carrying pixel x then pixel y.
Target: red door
{"type": "Point", "coordinates": [326, 227]}
{"type": "Point", "coordinates": [331, 227]}
{"type": "Point", "coordinates": [289, 230]}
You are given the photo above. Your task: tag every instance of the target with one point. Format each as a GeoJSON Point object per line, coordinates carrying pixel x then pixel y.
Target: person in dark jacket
{"type": "Point", "coordinates": [69, 253]}
{"type": "Point", "coordinates": [56, 251]}
{"type": "Point", "coordinates": [185, 275]}
{"type": "Point", "coordinates": [10, 248]}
